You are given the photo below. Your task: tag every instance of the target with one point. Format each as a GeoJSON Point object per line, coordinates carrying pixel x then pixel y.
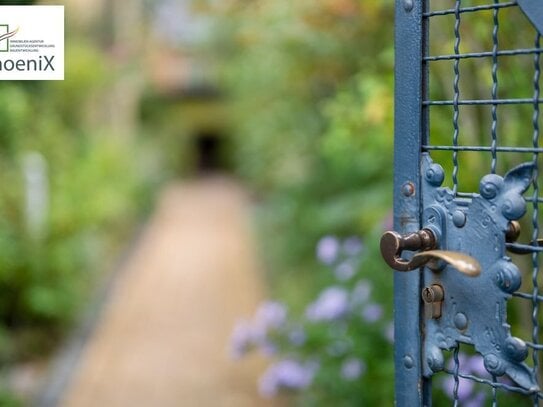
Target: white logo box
{"type": "Point", "coordinates": [31, 42]}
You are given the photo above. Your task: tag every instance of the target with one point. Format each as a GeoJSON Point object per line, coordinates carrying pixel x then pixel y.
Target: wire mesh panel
{"type": "Point", "coordinates": [481, 115]}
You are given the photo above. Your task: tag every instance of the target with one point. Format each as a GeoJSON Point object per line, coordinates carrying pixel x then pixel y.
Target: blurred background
{"type": "Point", "coordinates": [192, 216]}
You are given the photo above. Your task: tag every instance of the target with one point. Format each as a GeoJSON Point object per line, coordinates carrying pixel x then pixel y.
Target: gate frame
{"type": "Point", "coordinates": [410, 128]}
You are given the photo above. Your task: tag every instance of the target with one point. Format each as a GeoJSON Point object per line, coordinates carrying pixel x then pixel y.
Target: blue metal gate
{"type": "Point", "coordinates": [466, 216]}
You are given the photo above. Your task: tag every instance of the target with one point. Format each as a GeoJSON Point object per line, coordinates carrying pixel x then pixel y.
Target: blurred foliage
{"type": "Point", "coordinates": [310, 90]}
{"type": "Point", "coordinates": [310, 85]}
{"type": "Point", "coordinates": [340, 345]}
{"type": "Point", "coordinates": [97, 184]}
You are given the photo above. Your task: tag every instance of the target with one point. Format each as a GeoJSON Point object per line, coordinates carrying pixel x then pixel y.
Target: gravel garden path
{"type": "Point", "coordinates": [162, 339]}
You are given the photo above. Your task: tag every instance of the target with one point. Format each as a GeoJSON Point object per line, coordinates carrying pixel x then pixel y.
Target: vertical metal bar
{"type": "Point", "coordinates": [494, 126]}
{"type": "Point", "coordinates": [535, 213]}
{"type": "Point", "coordinates": [456, 93]}
{"type": "Point", "coordinates": [407, 151]}
{"type": "Point", "coordinates": [456, 370]}
{"type": "Point", "coordinates": [424, 139]}
{"type": "Point", "coordinates": [425, 128]}
{"type": "Point", "coordinates": [494, 392]}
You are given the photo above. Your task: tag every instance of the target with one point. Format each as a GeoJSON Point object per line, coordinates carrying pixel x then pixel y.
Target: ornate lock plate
{"type": "Point", "coordinates": [474, 309]}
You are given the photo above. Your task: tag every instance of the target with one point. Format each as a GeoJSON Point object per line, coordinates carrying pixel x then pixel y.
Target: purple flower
{"type": "Point", "coordinates": [469, 364]}
{"type": "Point", "coordinates": [462, 361]}
{"type": "Point", "coordinates": [352, 246]}
{"type": "Point", "coordinates": [327, 249]}
{"type": "Point", "coordinates": [331, 304]}
{"type": "Point", "coordinates": [241, 339]}
{"type": "Point", "coordinates": [291, 374]}
{"type": "Point", "coordinates": [372, 312]}
{"type": "Point", "coordinates": [268, 348]}
{"type": "Point", "coordinates": [465, 388]}
{"type": "Point", "coordinates": [286, 374]}
{"type": "Point", "coordinates": [352, 368]}
{"type": "Point", "coordinates": [344, 271]}
{"type": "Point", "coordinates": [476, 365]}
{"type": "Point", "coordinates": [361, 292]}
{"type": "Point", "coordinates": [271, 315]}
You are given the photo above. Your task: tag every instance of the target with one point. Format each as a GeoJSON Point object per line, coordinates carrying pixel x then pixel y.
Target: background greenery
{"type": "Point", "coordinates": [310, 91]}
{"type": "Point", "coordinates": [306, 108]}
{"type": "Point", "coordinates": [310, 85]}
{"type": "Point", "coordinates": [311, 106]}
{"type": "Point", "coordinates": [99, 187]}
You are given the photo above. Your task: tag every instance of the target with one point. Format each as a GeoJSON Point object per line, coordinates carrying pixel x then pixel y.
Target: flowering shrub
{"type": "Point", "coordinates": [326, 351]}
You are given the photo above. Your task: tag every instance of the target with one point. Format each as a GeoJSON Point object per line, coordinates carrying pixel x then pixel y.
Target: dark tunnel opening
{"type": "Point", "coordinates": [210, 151]}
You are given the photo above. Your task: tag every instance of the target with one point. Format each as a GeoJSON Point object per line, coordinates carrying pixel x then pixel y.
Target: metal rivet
{"type": "Point", "coordinates": [516, 349]}
{"type": "Point", "coordinates": [459, 218]}
{"type": "Point", "coordinates": [435, 175]}
{"type": "Point", "coordinates": [507, 276]}
{"type": "Point", "coordinates": [460, 321]}
{"type": "Point", "coordinates": [408, 189]}
{"type": "Point", "coordinates": [491, 361]}
{"type": "Point", "coordinates": [408, 361]}
{"type": "Point", "coordinates": [435, 360]}
{"type": "Point", "coordinates": [490, 186]}
{"type": "Point", "coordinates": [514, 206]}
{"type": "Point", "coordinates": [493, 364]}
{"type": "Point", "coordinates": [408, 5]}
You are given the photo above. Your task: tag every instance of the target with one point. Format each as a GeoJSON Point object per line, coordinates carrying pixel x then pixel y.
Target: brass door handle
{"type": "Point", "coordinates": [393, 244]}
{"type": "Point", "coordinates": [462, 262]}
